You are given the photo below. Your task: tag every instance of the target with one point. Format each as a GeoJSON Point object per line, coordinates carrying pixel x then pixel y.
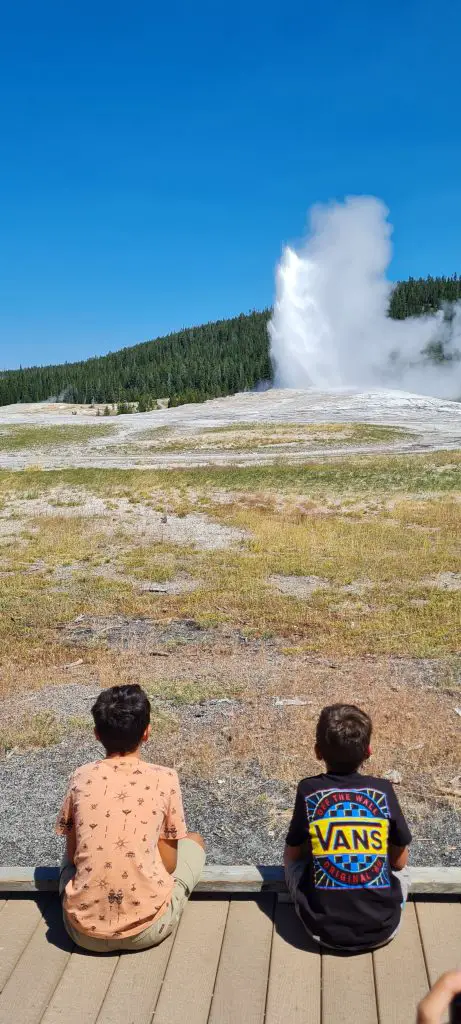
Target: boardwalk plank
{"type": "Point", "coordinates": [190, 977]}
{"type": "Point", "coordinates": [440, 927]}
{"type": "Point", "coordinates": [81, 990]}
{"type": "Point", "coordinates": [18, 922]}
{"type": "Point", "coordinates": [241, 983]}
{"type": "Point", "coordinates": [348, 989]}
{"type": "Point", "coordinates": [37, 972]}
{"type": "Point", "coordinates": [400, 972]}
{"type": "Point", "coordinates": [294, 981]}
{"type": "Point", "coordinates": [133, 992]}
{"type": "Point", "coordinates": [222, 964]}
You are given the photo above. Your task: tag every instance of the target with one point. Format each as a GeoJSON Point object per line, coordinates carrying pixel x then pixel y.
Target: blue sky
{"type": "Point", "coordinates": [155, 157]}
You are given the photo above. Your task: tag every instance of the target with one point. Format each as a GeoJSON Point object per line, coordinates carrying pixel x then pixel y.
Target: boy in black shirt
{"type": "Point", "coordinates": [347, 844]}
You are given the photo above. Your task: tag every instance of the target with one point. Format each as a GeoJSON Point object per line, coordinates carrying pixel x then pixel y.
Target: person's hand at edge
{"type": "Point", "coordinates": [432, 1008]}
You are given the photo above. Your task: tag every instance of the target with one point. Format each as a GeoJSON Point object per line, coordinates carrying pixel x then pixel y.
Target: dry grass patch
{"type": "Point", "coordinates": [414, 750]}
{"type": "Point", "coordinates": [46, 729]}
{"type": "Point", "coordinates": [382, 568]}
{"type": "Point", "coordinates": [355, 476]}
{"type": "Point", "coordinates": [19, 438]}
{"type": "Point", "coordinates": [280, 740]}
{"type": "Point", "coordinates": [252, 436]}
{"type": "Point", "coordinates": [388, 524]}
{"type": "Point", "coordinates": [42, 729]}
{"type": "Point", "coordinates": [121, 515]}
{"type": "Point", "coordinates": [34, 604]}
{"type": "Point", "coordinates": [183, 692]}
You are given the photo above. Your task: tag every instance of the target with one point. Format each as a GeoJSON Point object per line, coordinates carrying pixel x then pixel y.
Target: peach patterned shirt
{"type": "Point", "coordinates": [118, 809]}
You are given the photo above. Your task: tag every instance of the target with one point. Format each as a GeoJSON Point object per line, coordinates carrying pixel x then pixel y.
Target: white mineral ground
{"type": "Point", "coordinates": [434, 422]}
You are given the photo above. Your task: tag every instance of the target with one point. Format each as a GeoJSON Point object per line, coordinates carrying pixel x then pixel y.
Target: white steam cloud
{"type": "Point", "coordinates": [329, 326]}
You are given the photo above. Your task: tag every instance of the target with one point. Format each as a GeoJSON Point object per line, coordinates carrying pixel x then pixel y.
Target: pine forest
{"type": "Point", "coordinates": [195, 363]}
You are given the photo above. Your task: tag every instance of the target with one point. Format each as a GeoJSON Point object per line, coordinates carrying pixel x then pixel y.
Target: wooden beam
{"type": "Point", "coordinates": [437, 880]}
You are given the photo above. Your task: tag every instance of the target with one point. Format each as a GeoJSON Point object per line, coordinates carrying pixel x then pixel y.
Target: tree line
{"type": "Point", "coordinates": [194, 364]}
{"type": "Point", "coordinates": [189, 366]}
{"type": "Point", "coordinates": [422, 295]}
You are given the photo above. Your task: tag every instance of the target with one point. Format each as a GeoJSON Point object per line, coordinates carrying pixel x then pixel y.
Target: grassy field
{"type": "Point", "coordinates": [378, 532]}
{"type": "Point", "coordinates": [358, 475]}
{"type": "Point", "coordinates": [20, 438]}
{"type": "Point", "coordinates": [324, 572]}
{"type": "Point", "coordinates": [246, 437]}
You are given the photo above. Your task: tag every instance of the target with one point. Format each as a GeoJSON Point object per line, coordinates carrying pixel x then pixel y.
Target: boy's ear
{"type": "Point", "coordinates": [368, 753]}
{"type": "Point", "coordinates": [96, 734]}
{"type": "Point", "coordinates": [146, 734]}
{"type": "Point", "coordinates": [318, 755]}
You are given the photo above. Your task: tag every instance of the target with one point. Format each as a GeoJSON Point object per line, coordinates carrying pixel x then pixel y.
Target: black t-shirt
{"type": "Point", "coordinates": [348, 895]}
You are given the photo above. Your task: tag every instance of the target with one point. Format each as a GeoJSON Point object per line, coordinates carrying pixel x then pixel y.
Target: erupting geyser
{"type": "Point", "coordinates": [330, 327]}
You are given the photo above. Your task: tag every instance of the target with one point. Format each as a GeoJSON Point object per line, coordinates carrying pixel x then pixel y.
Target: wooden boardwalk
{"type": "Point", "coordinates": [232, 961]}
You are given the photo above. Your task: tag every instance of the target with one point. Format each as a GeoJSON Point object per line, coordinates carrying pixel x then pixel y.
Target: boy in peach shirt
{"type": "Point", "coordinates": [130, 863]}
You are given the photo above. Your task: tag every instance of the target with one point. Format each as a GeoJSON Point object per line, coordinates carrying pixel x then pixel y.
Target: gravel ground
{"type": "Point", "coordinates": [243, 818]}
{"type": "Point", "coordinates": [242, 812]}
{"type": "Point", "coordinates": [138, 634]}
{"type": "Point", "coordinates": [140, 520]}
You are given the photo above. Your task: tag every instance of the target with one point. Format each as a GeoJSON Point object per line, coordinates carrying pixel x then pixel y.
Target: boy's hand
{"type": "Point", "coordinates": [433, 1007]}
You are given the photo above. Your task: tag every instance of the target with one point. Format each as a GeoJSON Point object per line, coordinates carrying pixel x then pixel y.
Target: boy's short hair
{"type": "Point", "coordinates": [121, 716]}
{"type": "Point", "coordinates": [343, 736]}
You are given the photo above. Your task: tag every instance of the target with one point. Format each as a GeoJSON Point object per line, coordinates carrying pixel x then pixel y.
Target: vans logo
{"type": "Point", "coordinates": [349, 834]}
{"type": "Point", "coordinates": [340, 836]}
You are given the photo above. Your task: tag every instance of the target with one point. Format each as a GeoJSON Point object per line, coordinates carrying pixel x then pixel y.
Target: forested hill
{"type": "Point", "coordinates": [423, 295]}
{"type": "Point", "coordinates": [193, 364]}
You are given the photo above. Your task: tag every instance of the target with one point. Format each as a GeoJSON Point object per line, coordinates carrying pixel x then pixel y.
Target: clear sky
{"type": "Point", "coordinates": [155, 156]}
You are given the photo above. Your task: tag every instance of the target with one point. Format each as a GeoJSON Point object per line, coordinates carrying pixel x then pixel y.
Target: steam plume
{"type": "Point", "coordinates": [330, 327]}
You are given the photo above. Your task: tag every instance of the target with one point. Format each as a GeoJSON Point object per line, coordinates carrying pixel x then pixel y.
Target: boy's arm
{"type": "Point", "coordinates": [174, 826]}
{"type": "Point", "coordinates": [71, 844]}
{"type": "Point", "coordinates": [65, 825]}
{"type": "Point", "coordinates": [292, 854]}
{"type": "Point", "coordinates": [398, 856]}
{"type": "Point", "coordinates": [168, 850]}
{"type": "Point", "coordinates": [298, 832]}
{"type": "Point", "coordinates": [399, 835]}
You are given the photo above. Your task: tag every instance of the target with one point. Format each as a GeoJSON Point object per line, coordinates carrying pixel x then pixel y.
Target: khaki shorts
{"type": "Point", "coordinates": [189, 867]}
{"type": "Point", "coordinates": [293, 875]}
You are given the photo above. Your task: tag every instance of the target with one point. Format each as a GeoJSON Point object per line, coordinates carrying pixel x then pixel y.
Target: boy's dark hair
{"type": "Point", "coordinates": [121, 715]}
{"type": "Point", "coordinates": [343, 736]}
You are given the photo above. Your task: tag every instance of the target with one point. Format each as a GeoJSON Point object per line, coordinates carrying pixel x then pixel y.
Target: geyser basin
{"type": "Point", "coordinates": [330, 326]}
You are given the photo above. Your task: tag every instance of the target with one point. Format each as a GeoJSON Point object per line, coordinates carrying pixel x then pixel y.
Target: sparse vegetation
{"type": "Point", "coordinates": [393, 522]}
{"type": "Point", "coordinates": [22, 438]}
{"type": "Point", "coordinates": [183, 691]}
{"type": "Point", "coordinates": [259, 436]}
{"type": "Point", "coordinates": [436, 472]}
{"type": "Point", "coordinates": [243, 594]}
{"type": "Point", "coordinates": [124, 408]}
{"type": "Point", "coordinates": [40, 730]}
{"type": "Point", "coordinates": [379, 532]}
